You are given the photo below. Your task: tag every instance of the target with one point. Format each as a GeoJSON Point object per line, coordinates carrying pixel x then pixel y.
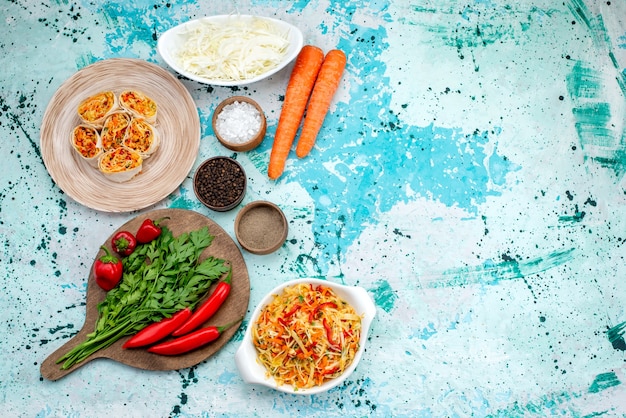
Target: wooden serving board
{"type": "Point", "coordinates": [235, 306]}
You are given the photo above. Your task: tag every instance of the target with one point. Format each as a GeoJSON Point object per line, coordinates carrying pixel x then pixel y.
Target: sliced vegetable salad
{"type": "Point", "coordinates": [306, 335]}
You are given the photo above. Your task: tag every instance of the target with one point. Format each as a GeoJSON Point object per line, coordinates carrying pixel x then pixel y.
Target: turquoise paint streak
{"type": "Point", "coordinates": [227, 378]}
{"type": "Point", "coordinates": [472, 29]}
{"type": "Point", "coordinates": [578, 216]}
{"type": "Point", "coordinates": [384, 296]}
{"type": "Point", "coordinates": [593, 124]}
{"type": "Point", "coordinates": [126, 31]}
{"type": "Point", "coordinates": [599, 33]}
{"type": "Point", "coordinates": [584, 82]}
{"type": "Point", "coordinates": [490, 273]}
{"type": "Point", "coordinates": [182, 201]}
{"type": "Point", "coordinates": [595, 24]}
{"type": "Point", "coordinates": [554, 404]}
{"type": "Point", "coordinates": [593, 117]}
{"type": "Point", "coordinates": [426, 333]}
{"type": "Point", "coordinates": [298, 5]}
{"type": "Point", "coordinates": [604, 381]}
{"type": "Point", "coordinates": [123, 17]}
{"type": "Point", "coordinates": [587, 89]}
{"type": "Point", "coordinates": [615, 335]}
{"type": "Point", "coordinates": [499, 167]}
{"type": "Point", "coordinates": [85, 60]}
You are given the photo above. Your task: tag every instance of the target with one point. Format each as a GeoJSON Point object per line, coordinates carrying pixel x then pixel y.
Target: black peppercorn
{"type": "Point", "coordinates": [220, 183]}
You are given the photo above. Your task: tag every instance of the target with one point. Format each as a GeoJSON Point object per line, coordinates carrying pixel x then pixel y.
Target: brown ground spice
{"type": "Point", "coordinates": [261, 227]}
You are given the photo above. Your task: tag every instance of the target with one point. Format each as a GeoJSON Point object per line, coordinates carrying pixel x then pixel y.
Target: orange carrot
{"type": "Point", "coordinates": [325, 87]}
{"type": "Point", "coordinates": [299, 89]}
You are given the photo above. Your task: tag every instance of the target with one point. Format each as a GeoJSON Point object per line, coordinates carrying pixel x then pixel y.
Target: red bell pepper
{"type": "Point", "coordinates": [158, 330]}
{"type": "Point", "coordinates": [208, 307]}
{"type": "Point", "coordinates": [191, 341]}
{"type": "Point", "coordinates": [329, 336]}
{"type": "Point", "coordinates": [107, 270]}
{"type": "Point", "coordinates": [292, 311]}
{"type": "Point", "coordinates": [314, 314]}
{"type": "Point", "coordinates": [124, 243]}
{"type": "Point", "coordinates": [149, 230]}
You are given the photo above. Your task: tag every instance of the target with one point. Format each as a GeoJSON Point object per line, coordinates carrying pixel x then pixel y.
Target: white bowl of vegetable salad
{"type": "Point", "coordinates": [306, 336]}
{"type": "Point", "coordinates": [230, 50]}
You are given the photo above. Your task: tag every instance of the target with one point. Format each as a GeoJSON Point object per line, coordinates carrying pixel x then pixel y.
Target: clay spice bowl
{"type": "Point", "coordinates": [239, 123]}
{"type": "Point", "coordinates": [220, 183]}
{"type": "Point", "coordinates": [261, 227]}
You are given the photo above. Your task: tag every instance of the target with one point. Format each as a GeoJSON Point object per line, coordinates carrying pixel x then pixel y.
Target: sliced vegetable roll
{"type": "Point", "coordinates": [120, 164]}
{"type": "Point", "coordinates": [94, 109]}
{"type": "Point", "coordinates": [139, 105]}
{"type": "Point", "coordinates": [87, 143]}
{"type": "Point", "coordinates": [114, 130]}
{"type": "Point", "coordinates": [141, 137]}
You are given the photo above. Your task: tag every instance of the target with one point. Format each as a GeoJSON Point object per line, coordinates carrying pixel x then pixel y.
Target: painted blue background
{"type": "Point", "coordinates": [469, 175]}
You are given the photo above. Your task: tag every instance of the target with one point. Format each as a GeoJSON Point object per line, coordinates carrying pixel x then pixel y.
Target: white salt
{"type": "Point", "coordinates": [238, 122]}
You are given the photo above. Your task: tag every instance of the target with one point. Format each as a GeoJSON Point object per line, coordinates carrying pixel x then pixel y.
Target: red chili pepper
{"type": "Point", "coordinates": [313, 314]}
{"type": "Point", "coordinates": [158, 330]}
{"type": "Point", "coordinates": [311, 349]}
{"type": "Point", "coordinates": [124, 243]}
{"type": "Point", "coordinates": [190, 342]}
{"type": "Point", "coordinates": [325, 305]}
{"type": "Point", "coordinates": [292, 311]}
{"type": "Point", "coordinates": [108, 270]}
{"type": "Point", "coordinates": [149, 230]}
{"type": "Point", "coordinates": [331, 371]}
{"type": "Point", "coordinates": [329, 335]}
{"type": "Point", "coordinates": [207, 309]}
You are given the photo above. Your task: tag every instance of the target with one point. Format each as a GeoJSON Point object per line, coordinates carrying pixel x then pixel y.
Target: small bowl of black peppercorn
{"type": "Point", "coordinates": [220, 183]}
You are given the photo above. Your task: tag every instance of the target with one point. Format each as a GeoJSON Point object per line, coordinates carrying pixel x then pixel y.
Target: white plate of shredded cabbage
{"type": "Point", "coordinates": [230, 50]}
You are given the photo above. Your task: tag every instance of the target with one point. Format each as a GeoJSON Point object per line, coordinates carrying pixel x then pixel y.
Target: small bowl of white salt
{"type": "Point", "coordinates": [239, 123]}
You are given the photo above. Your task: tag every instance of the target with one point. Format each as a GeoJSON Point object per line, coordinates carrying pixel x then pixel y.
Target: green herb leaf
{"type": "Point", "coordinates": [160, 278]}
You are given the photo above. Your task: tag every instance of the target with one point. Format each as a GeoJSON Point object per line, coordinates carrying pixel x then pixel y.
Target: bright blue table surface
{"type": "Point", "coordinates": [469, 175]}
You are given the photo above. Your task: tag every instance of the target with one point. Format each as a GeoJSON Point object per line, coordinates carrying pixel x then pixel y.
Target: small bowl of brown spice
{"type": "Point", "coordinates": [220, 183]}
{"type": "Point", "coordinates": [261, 227]}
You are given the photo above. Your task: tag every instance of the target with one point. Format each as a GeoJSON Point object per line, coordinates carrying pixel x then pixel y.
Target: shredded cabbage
{"type": "Point", "coordinates": [233, 51]}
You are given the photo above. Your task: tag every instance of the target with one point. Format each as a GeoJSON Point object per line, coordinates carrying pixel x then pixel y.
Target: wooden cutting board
{"type": "Point", "coordinates": [235, 306]}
